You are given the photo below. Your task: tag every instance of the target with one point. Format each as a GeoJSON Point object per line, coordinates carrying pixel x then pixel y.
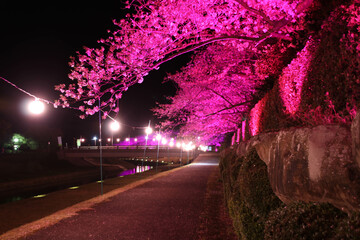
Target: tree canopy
{"type": "Point", "coordinates": [227, 35]}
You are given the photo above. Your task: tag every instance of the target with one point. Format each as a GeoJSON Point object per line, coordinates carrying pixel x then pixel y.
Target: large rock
{"type": "Point", "coordinates": [318, 164]}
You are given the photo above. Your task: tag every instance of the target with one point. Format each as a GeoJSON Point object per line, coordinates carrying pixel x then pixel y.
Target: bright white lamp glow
{"type": "Point", "coordinates": [148, 130]}
{"type": "Point", "coordinates": [36, 107]}
{"type": "Point", "coordinates": [158, 137]}
{"type": "Point", "coordinates": [114, 126]}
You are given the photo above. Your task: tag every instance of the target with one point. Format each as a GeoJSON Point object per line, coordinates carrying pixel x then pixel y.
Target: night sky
{"type": "Point", "coordinates": [37, 40]}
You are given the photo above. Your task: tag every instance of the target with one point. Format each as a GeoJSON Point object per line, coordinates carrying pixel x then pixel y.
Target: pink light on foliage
{"type": "Point", "coordinates": [158, 31]}
{"type": "Point", "coordinates": [255, 116]}
{"type": "Point", "coordinates": [215, 91]}
{"type": "Point", "coordinates": [243, 129]}
{"type": "Point", "coordinates": [293, 77]}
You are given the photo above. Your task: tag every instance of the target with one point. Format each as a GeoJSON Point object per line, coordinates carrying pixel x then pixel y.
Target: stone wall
{"type": "Point", "coordinates": [319, 164]}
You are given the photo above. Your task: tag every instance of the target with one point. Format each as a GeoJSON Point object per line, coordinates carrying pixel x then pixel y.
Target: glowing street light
{"type": "Point", "coordinates": [94, 138]}
{"type": "Point", "coordinates": [114, 126]}
{"type": "Point", "coordinates": [148, 130]}
{"type": "Point", "coordinates": [158, 137]}
{"type": "Point", "coordinates": [36, 107]}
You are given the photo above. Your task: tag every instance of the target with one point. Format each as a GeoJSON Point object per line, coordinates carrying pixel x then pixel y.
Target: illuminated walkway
{"type": "Point", "coordinates": [165, 208]}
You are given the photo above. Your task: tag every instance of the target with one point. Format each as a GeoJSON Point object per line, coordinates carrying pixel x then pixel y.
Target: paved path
{"type": "Point", "coordinates": [164, 208]}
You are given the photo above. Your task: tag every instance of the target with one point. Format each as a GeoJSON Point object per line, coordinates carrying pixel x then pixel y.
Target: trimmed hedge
{"type": "Point", "coordinates": [310, 221]}
{"type": "Point", "coordinates": [349, 228]}
{"type": "Point", "coordinates": [248, 193]}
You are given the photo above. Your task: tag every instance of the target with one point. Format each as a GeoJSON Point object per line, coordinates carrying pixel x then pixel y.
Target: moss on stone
{"type": "Point", "coordinates": [249, 194]}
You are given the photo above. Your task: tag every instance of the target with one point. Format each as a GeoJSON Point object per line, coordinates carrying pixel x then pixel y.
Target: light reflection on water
{"type": "Point", "coordinates": [138, 169]}
{"type": "Point", "coordinates": [205, 164]}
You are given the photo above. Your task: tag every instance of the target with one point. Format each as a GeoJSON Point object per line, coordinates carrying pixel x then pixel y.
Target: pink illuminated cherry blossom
{"type": "Point", "coordinates": [215, 91]}
{"type": "Point", "coordinates": [255, 116]}
{"type": "Point", "coordinates": [159, 31]}
{"type": "Point", "coordinates": [293, 77]}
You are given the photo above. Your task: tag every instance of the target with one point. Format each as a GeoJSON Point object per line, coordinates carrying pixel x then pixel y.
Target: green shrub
{"type": "Point", "coordinates": [349, 228]}
{"type": "Point", "coordinates": [249, 195]}
{"type": "Point", "coordinates": [227, 160]}
{"type": "Point", "coordinates": [303, 221]}
{"type": "Point", "coordinates": [256, 195]}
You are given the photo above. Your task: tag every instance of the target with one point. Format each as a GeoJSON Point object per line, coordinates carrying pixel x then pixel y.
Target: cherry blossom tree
{"type": "Point", "coordinates": [157, 31]}
{"type": "Point", "coordinates": [215, 91]}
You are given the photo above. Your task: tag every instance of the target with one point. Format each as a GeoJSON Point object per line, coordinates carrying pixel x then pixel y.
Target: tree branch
{"type": "Point", "coordinates": [257, 12]}
{"type": "Point", "coordinates": [201, 44]}
{"type": "Point", "coordinates": [212, 90]}
{"type": "Point", "coordinates": [228, 108]}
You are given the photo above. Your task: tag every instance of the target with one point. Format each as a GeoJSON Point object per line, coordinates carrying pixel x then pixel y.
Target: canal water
{"type": "Point", "coordinates": [42, 192]}
{"type": "Point", "coordinates": [138, 169]}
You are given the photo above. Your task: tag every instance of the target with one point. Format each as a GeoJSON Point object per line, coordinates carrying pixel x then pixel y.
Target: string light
{"type": "Point", "coordinates": [38, 99]}
{"type": "Point", "coordinates": [22, 90]}
{"type": "Point", "coordinates": [36, 107]}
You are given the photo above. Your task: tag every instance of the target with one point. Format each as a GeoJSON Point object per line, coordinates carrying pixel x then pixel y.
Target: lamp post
{"type": "Point", "coordinates": [148, 131]}
{"type": "Point", "coordinates": [36, 107]}
{"type": "Point", "coordinates": [100, 149]}
{"type": "Point", "coordinates": [94, 138]}
{"type": "Point", "coordinates": [114, 126]}
{"type": "Point", "coordinates": [179, 145]}
{"type": "Point", "coordinates": [158, 138]}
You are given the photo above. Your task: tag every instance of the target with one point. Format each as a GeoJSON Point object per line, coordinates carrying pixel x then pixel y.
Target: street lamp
{"type": "Point", "coordinates": [36, 107]}
{"type": "Point", "coordinates": [158, 138]}
{"type": "Point", "coordinates": [114, 126]}
{"type": "Point", "coordinates": [94, 138]}
{"type": "Point", "coordinates": [148, 131]}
